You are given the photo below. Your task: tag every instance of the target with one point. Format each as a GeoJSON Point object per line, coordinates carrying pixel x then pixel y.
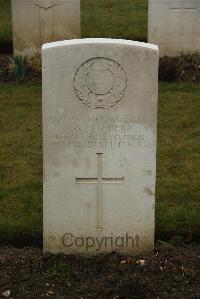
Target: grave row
{"type": "Point", "coordinates": [99, 125]}
{"type": "Point", "coordinates": [173, 25]}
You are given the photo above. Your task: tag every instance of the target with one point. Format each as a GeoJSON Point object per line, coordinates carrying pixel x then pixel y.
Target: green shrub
{"type": "Point", "coordinates": [18, 67]}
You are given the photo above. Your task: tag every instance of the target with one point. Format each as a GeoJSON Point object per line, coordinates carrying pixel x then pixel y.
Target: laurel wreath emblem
{"type": "Point", "coordinates": [107, 78]}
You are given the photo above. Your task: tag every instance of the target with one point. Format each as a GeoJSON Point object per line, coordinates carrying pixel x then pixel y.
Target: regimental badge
{"type": "Point", "coordinates": [100, 83]}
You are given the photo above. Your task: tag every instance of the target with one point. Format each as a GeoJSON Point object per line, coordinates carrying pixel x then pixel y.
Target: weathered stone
{"type": "Point", "coordinates": [36, 22]}
{"type": "Point", "coordinates": [99, 121]}
{"type": "Point", "coordinates": [174, 25]}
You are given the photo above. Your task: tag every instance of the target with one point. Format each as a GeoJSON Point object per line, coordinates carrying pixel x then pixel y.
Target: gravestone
{"type": "Point", "coordinates": [36, 22]}
{"type": "Point", "coordinates": [99, 133]}
{"type": "Point", "coordinates": [174, 25]}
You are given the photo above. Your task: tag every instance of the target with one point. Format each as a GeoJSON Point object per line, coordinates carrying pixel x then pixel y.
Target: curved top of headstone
{"type": "Point", "coordinates": [99, 41]}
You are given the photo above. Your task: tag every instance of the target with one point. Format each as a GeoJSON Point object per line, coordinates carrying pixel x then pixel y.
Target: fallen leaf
{"type": "Point", "coordinates": [141, 262]}
{"type": "Point", "coordinates": [6, 293]}
{"type": "Point", "coordinates": [130, 260]}
{"type": "Point", "coordinates": [50, 292]}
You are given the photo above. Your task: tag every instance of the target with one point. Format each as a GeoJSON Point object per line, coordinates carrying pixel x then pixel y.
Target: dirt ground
{"type": "Point", "coordinates": [33, 71]}
{"type": "Point", "coordinates": [180, 69]}
{"type": "Point", "coordinates": [172, 272]}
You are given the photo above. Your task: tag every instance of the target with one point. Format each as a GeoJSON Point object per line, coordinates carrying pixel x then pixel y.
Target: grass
{"type": "Point", "coordinates": [178, 160]}
{"type": "Point", "coordinates": [99, 18]}
{"type": "Point", "coordinates": [5, 21]}
{"type": "Point", "coordinates": [178, 166]}
{"type": "Point", "coordinates": [114, 18]}
{"type": "Point", "coordinates": [20, 159]}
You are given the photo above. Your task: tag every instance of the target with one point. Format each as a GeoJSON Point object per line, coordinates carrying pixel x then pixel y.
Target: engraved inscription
{"type": "Point", "coordinates": [113, 141]}
{"type": "Point", "coordinates": [52, 238]}
{"type": "Point", "coordinates": [99, 180]}
{"type": "Point", "coordinates": [185, 24]}
{"type": "Point", "coordinates": [100, 83]}
{"type": "Point", "coordinates": [93, 132]}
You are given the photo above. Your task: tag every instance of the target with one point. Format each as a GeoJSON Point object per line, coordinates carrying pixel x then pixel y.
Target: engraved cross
{"type": "Point", "coordinates": [183, 9]}
{"type": "Point", "coordinates": [99, 180]}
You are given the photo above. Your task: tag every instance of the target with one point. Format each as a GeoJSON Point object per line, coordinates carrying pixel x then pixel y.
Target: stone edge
{"type": "Point", "coordinates": [99, 41]}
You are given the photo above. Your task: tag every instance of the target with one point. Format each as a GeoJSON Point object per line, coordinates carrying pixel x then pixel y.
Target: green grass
{"type": "Point", "coordinates": [178, 160]}
{"type": "Point", "coordinates": [99, 18]}
{"type": "Point", "coordinates": [5, 21]}
{"type": "Point", "coordinates": [178, 166]}
{"type": "Point", "coordinates": [20, 159]}
{"type": "Point", "coordinates": [114, 18]}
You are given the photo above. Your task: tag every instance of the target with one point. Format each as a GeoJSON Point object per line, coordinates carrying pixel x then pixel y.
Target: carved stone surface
{"type": "Point", "coordinates": [100, 83]}
{"type": "Point", "coordinates": [174, 25]}
{"type": "Point", "coordinates": [35, 22]}
{"type": "Point", "coordinates": [99, 141]}
{"type": "Point", "coordinates": [46, 4]}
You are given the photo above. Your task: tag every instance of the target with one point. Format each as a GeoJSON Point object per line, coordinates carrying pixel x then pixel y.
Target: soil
{"type": "Point", "coordinates": [180, 69]}
{"type": "Point", "coordinates": [171, 69]}
{"type": "Point", "coordinates": [6, 47]}
{"type": "Point", "coordinates": [6, 74]}
{"type": "Point", "coordinates": [4, 69]}
{"type": "Point", "coordinates": [172, 272]}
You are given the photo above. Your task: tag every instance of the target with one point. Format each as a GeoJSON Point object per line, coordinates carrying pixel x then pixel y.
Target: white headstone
{"type": "Point", "coordinates": [36, 22]}
{"type": "Point", "coordinates": [174, 25]}
{"type": "Point", "coordinates": [99, 130]}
